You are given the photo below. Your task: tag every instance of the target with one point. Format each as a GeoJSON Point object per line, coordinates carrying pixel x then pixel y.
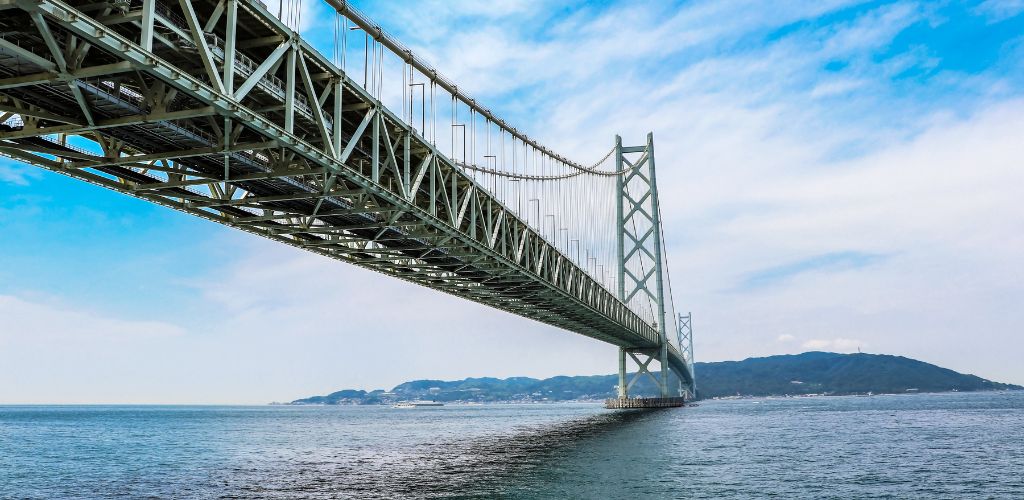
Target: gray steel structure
{"type": "Point", "coordinates": [684, 335]}
{"type": "Point", "coordinates": [641, 260]}
{"type": "Point", "coordinates": [218, 109]}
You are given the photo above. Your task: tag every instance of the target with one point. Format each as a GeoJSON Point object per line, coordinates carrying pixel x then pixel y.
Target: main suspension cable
{"type": "Point", "coordinates": [580, 170]}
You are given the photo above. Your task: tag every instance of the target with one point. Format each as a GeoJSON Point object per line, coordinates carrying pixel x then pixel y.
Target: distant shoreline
{"type": "Point", "coordinates": [716, 398]}
{"type": "Point", "coordinates": [798, 375]}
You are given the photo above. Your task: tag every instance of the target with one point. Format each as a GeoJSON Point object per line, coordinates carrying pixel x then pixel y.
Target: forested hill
{"type": "Point", "coordinates": [826, 372]}
{"type": "Point", "coordinates": [807, 373]}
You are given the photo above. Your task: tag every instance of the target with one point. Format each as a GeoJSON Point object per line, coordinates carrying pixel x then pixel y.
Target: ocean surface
{"type": "Point", "coordinates": [966, 445]}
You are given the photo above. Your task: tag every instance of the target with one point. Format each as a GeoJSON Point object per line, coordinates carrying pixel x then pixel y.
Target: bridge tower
{"type": "Point", "coordinates": [641, 273]}
{"type": "Point", "coordinates": [684, 335]}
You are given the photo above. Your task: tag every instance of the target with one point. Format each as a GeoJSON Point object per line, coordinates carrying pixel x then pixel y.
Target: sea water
{"type": "Point", "coordinates": [959, 445]}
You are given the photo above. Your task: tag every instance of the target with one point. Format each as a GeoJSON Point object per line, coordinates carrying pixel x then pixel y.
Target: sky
{"type": "Point", "coordinates": [833, 175]}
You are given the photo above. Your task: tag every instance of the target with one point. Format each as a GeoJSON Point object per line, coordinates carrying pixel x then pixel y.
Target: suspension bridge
{"type": "Point", "coordinates": [353, 148]}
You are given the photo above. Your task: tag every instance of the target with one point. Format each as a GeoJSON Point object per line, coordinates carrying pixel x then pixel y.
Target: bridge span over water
{"type": "Point", "coordinates": [352, 148]}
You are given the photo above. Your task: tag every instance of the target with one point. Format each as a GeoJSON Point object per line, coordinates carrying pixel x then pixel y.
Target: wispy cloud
{"type": "Point", "coordinates": [1000, 10]}
{"type": "Point", "coordinates": [16, 173]}
{"type": "Point", "coordinates": [829, 262]}
{"type": "Point", "coordinates": [837, 345]}
{"type": "Point", "coordinates": [54, 319]}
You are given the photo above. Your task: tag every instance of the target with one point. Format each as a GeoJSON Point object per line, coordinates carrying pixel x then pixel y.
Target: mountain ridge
{"type": "Point", "coordinates": [812, 372]}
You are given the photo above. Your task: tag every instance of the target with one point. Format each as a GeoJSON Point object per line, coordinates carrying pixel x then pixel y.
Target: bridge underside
{"type": "Point", "coordinates": [217, 109]}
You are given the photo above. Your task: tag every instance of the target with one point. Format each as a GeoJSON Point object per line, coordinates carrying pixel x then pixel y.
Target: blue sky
{"type": "Point", "coordinates": [834, 175]}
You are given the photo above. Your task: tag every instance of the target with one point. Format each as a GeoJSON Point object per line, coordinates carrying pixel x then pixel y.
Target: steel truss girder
{"type": "Point", "coordinates": [439, 228]}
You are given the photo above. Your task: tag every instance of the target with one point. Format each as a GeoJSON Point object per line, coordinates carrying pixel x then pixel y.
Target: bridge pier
{"type": "Point", "coordinates": [642, 358]}
{"type": "Point", "coordinates": [622, 390]}
{"type": "Point", "coordinates": [644, 403]}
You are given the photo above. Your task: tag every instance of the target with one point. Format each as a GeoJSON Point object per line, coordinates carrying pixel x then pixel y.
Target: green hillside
{"type": "Point", "coordinates": [807, 373]}
{"type": "Point", "coordinates": [825, 372]}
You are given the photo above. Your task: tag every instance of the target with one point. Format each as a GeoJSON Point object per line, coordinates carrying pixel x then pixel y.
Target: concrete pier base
{"type": "Point", "coordinates": [642, 403]}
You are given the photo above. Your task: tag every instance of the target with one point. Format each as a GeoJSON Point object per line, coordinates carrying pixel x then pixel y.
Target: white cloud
{"type": "Point", "coordinates": [836, 87]}
{"type": "Point", "coordinates": [999, 10]}
{"type": "Point", "coordinates": [15, 173]}
{"type": "Point", "coordinates": [838, 345]}
{"type": "Point", "coordinates": [873, 30]}
{"type": "Point", "coordinates": [53, 351]}
{"type": "Point", "coordinates": [61, 322]}
{"type": "Point", "coordinates": [785, 337]}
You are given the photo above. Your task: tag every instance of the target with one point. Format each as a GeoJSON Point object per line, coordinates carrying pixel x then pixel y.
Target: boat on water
{"type": "Point", "coordinates": [418, 404]}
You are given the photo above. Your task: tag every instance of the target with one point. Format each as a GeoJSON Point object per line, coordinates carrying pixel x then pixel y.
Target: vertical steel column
{"type": "Point", "coordinates": [623, 392]}
{"type": "Point", "coordinates": [228, 75]}
{"type": "Point", "coordinates": [620, 250]}
{"type": "Point", "coordinates": [407, 161]}
{"type": "Point", "coordinates": [148, 16]}
{"type": "Point", "coordinates": [375, 149]}
{"type": "Point", "coordinates": [337, 118]}
{"type": "Point", "coordinates": [690, 358]}
{"type": "Point", "coordinates": [229, 47]}
{"type": "Point", "coordinates": [289, 101]}
{"type": "Point", "coordinates": [658, 263]}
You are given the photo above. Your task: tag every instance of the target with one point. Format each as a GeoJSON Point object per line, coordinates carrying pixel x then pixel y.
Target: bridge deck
{"type": "Point", "coordinates": [226, 114]}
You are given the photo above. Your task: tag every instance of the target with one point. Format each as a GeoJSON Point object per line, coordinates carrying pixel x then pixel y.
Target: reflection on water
{"type": "Point", "coordinates": [484, 466]}
{"type": "Point", "coordinates": [920, 446]}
